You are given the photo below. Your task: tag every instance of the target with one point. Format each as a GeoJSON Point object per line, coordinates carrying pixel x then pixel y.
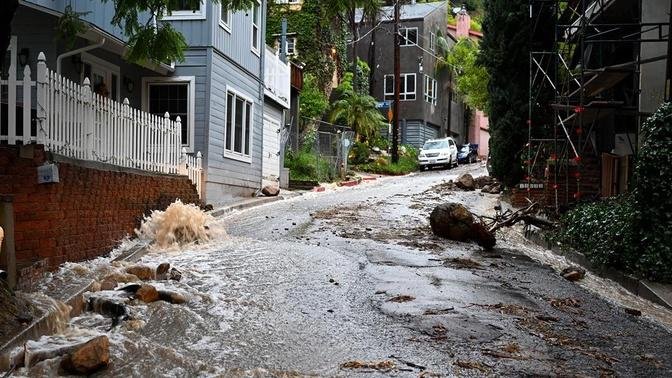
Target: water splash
{"type": "Point", "coordinates": [180, 224]}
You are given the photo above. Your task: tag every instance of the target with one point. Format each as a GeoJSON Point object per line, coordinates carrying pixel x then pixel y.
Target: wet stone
{"type": "Point", "coordinates": [147, 294]}
{"type": "Point", "coordinates": [94, 355]}
{"type": "Point", "coordinates": [573, 273]}
{"type": "Point", "coordinates": [143, 272]}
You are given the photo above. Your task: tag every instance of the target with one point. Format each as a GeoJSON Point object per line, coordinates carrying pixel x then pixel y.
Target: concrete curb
{"type": "Point", "coordinates": [246, 204]}
{"type": "Point", "coordinates": [654, 292]}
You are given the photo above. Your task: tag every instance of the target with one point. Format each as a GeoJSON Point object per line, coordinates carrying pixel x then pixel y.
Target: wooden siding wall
{"type": "Point", "coordinates": [222, 170]}
{"type": "Point", "coordinates": [236, 44]}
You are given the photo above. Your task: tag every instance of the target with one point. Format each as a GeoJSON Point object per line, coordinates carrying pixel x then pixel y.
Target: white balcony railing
{"type": "Point", "coordinates": [277, 77]}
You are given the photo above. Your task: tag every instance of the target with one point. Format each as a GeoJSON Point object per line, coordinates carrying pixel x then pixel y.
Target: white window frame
{"type": "Point", "coordinates": [255, 50]}
{"type": "Point", "coordinates": [105, 66]}
{"type": "Point", "coordinates": [226, 25]}
{"type": "Point", "coordinates": [432, 42]}
{"type": "Point", "coordinates": [403, 96]}
{"type": "Point", "coordinates": [430, 83]}
{"type": "Point", "coordinates": [404, 36]}
{"type": "Point", "coordinates": [191, 81]}
{"type": "Point", "coordinates": [232, 154]}
{"type": "Point", "coordinates": [180, 15]}
{"type": "Point", "coordinates": [294, 41]}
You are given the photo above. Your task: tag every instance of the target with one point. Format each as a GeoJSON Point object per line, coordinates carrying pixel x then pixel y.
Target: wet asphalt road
{"type": "Point", "coordinates": [308, 285]}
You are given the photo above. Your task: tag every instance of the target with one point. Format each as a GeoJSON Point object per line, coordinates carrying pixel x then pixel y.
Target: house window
{"type": "Point", "coordinates": [430, 90]}
{"type": "Point", "coordinates": [175, 95]}
{"type": "Point", "coordinates": [103, 76]}
{"type": "Point", "coordinates": [291, 46]}
{"type": "Point", "coordinates": [183, 11]}
{"type": "Point", "coordinates": [256, 35]}
{"type": "Point", "coordinates": [432, 42]}
{"type": "Point", "coordinates": [409, 36]}
{"type": "Point", "coordinates": [238, 126]}
{"type": "Point", "coordinates": [225, 18]}
{"type": "Point", "coordinates": [406, 90]}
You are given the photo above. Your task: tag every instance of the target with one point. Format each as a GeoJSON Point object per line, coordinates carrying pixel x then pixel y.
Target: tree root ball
{"type": "Point", "coordinates": [453, 221]}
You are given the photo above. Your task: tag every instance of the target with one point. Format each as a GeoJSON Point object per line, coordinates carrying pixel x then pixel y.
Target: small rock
{"type": "Point", "coordinates": [330, 311]}
{"type": "Point", "coordinates": [175, 274]}
{"type": "Point", "coordinates": [147, 294]}
{"type": "Point", "coordinates": [270, 190]}
{"type": "Point", "coordinates": [143, 272]}
{"type": "Point", "coordinates": [95, 286]}
{"type": "Point", "coordinates": [120, 277]}
{"type": "Point", "coordinates": [162, 271]}
{"type": "Point", "coordinates": [466, 182]}
{"type": "Point", "coordinates": [331, 280]}
{"type": "Point", "coordinates": [633, 311]}
{"type": "Point", "coordinates": [172, 297]}
{"type": "Point", "coordinates": [89, 358]}
{"type": "Point", "coordinates": [573, 273]}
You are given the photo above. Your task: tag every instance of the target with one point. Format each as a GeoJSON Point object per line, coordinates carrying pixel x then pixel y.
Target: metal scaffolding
{"type": "Point", "coordinates": [589, 71]}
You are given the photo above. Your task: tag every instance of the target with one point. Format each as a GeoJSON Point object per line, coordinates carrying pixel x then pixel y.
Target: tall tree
{"type": "Point", "coordinates": [470, 78]}
{"type": "Point", "coordinates": [359, 112]}
{"type": "Point", "coordinates": [505, 55]}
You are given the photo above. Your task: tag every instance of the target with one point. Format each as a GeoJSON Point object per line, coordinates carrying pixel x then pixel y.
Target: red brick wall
{"type": "Point", "coordinates": [87, 213]}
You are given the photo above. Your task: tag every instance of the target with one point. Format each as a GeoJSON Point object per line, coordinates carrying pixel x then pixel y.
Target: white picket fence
{"type": "Point", "coordinates": [73, 121]}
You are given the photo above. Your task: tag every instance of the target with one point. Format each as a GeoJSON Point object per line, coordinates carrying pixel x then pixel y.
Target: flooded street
{"type": "Point", "coordinates": [353, 282]}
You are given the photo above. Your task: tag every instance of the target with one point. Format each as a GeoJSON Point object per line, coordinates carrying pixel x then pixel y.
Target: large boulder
{"type": "Point", "coordinates": [270, 190]}
{"type": "Point", "coordinates": [452, 221]}
{"type": "Point", "coordinates": [143, 272]}
{"type": "Point", "coordinates": [147, 294]}
{"type": "Point", "coordinates": [88, 358]}
{"type": "Point", "coordinates": [466, 182]}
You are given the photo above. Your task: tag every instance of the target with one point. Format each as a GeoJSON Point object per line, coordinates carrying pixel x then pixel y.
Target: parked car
{"type": "Point", "coordinates": [467, 154]}
{"type": "Point", "coordinates": [438, 152]}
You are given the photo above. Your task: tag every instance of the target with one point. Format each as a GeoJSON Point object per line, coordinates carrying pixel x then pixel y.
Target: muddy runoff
{"type": "Point", "coordinates": [122, 303]}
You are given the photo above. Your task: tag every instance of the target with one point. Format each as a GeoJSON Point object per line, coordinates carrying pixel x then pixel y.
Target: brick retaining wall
{"type": "Point", "coordinates": [87, 213]}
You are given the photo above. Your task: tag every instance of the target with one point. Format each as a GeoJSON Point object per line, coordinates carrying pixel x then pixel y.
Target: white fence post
{"type": "Point", "coordinates": [11, 93]}
{"type": "Point", "coordinates": [27, 105]}
{"type": "Point", "coordinates": [87, 125]}
{"type": "Point", "coordinates": [182, 169]}
{"type": "Point", "coordinates": [42, 107]}
{"type": "Point", "coordinates": [199, 172]}
{"type": "Point", "coordinates": [164, 141]}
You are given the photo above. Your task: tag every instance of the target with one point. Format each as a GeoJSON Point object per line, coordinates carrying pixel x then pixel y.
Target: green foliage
{"type": "Point", "coordinates": [69, 26]}
{"type": "Point", "coordinates": [359, 154]}
{"type": "Point", "coordinates": [653, 195]}
{"type": "Point", "coordinates": [634, 232]}
{"type": "Point", "coordinates": [313, 103]}
{"type": "Point", "coordinates": [357, 111]}
{"type": "Point", "coordinates": [305, 165]}
{"type": "Point", "coordinates": [470, 78]}
{"type": "Point", "coordinates": [408, 162]}
{"type": "Point", "coordinates": [317, 37]}
{"type": "Point", "coordinates": [160, 44]}
{"type": "Point", "coordinates": [505, 56]}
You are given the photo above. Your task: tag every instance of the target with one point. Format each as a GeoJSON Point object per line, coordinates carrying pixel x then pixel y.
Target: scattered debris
{"type": "Point", "coordinates": [633, 311]}
{"type": "Point", "coordinates": [466, 182]}
{"type": "Point", "coordinates": [401, 299]}
{"type": "Point", "coordinates": [439, 311]}
{"type": "Point", "coordinates": [87, 359]}
{"type": "Point", "coordinates": [471, 365]}
{"type": "Point", "coordinates": [573, 273]}
{"type": "Point", "coordinates": [462, 263]}
{"type": "Point", "coordinates": [408, 363]}
{"type": "Point", "coordinates": [500, 354]}
{"type": "Point", "coordinates": [270, 190]}
{"type": "Point", "coordinates": [546, 318]}
{"type": "Point", "coordinates": [453, 221]}
{"type": "Point", "coordinates": [385, 365]}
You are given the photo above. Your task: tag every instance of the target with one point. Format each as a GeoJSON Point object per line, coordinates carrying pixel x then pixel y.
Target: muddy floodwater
{"type": "Point", "coordinates": [352, 282]}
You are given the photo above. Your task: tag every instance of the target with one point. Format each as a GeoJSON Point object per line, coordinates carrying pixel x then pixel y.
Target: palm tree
{"type": "Point", "coordinates": [359, 112]}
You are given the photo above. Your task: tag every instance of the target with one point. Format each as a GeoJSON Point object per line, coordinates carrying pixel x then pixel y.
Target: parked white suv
{"type": "Point", "coordinates": [436, 152]}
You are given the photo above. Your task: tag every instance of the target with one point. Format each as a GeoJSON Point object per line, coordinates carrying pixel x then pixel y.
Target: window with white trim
{"type": "Point", "coordinates": [256, 21]}
{"type": "Point", "coordinates": [238, 126]}
{"type": "Point", "coordinates": [409, 36]}
{"type": "Point", "coordinates": [183, 11]}
{"type": "Point", "coordinates": [430, 90]}
{"type": "Point", "coordinates": [406, 87]}
{"type": "Point", "coordinates": [225, 17]}
{"type": "Point", "coordinates": [174, 98]}
{"type": "Point", "coordinates": [291, 46]}
{"type": "Point", "coordinates": [103, 76]}
{"type": "Point", "coordinates": [432, 42]}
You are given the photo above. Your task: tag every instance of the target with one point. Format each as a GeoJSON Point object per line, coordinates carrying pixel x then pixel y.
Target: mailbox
{"type": "Point", "coordinates": [47, 173]}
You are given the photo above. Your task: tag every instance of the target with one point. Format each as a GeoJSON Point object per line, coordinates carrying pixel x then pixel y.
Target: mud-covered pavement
{"type": "Point", "coordinates": [352, 282]}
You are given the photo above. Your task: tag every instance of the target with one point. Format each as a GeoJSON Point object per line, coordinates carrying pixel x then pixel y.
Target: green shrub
{"type": "Point", "coordinates": [305, 165]}
{"type": "Point", "coordinates": [359, 154]}
{"type": "Point", "coordinates": [632, 232]}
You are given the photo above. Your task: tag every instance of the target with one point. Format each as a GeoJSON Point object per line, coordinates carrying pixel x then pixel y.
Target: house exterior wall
{"type": "Point", "coordinates": [419, 112]}
{"type": "Point", "coordinates": [226, 177]}
{"type": "Point", "coordinates": [652, 82]}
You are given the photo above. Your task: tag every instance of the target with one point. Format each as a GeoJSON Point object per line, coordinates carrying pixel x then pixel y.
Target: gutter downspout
{"type": "Point", "coordinates": [75, 52]}
{"type": "Point", "coordinates": [262, 86]}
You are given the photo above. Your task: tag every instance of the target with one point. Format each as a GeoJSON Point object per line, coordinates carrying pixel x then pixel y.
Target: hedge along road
{"type": "Point", "coordinates": [349, 281]}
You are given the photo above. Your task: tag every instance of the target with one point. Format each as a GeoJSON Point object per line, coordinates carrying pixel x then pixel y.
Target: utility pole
{"type": "Point", "coordinates": [397, 86]}
{"type": "Point", "coordinates": [668, 75]}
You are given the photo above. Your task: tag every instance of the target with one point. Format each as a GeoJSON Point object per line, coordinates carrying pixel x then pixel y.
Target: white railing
{"type": "Point", "coordinates": [73, 121]}
{"type": "Point", "coordinates": [193, 167]}
{"type": "Point", "coordinates": [277, 77]}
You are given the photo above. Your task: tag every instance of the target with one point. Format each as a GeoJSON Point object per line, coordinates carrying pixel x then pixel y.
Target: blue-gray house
{"type": "Point", "coordinates": [231, 91]}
